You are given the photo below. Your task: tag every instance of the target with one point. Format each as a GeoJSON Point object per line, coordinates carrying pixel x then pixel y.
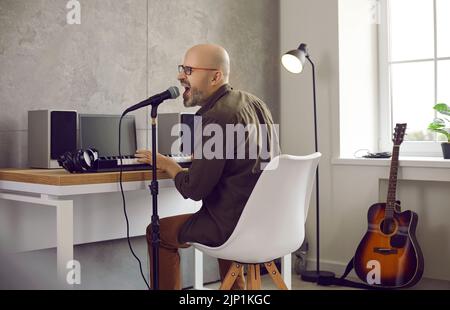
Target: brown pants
{"type": "Point", "coordinates": [169, 258]}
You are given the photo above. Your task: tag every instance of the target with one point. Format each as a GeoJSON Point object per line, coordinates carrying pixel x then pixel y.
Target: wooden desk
{"type": "Point", "coordinates": [60, 177]}
{"type": "Point", "coordinates": [58, 182]}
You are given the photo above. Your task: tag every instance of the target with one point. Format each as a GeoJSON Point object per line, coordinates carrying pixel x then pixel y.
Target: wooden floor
{"type": "Point", "coordinates": [298, 284]}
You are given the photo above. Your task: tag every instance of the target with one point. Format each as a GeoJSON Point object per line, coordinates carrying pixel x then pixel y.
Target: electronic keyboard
{"type": "Point", "coordinates": [130, 163]}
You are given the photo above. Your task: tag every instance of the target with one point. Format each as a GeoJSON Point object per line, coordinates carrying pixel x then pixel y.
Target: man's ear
{"type": "Point", "coordinates": [217, 77]}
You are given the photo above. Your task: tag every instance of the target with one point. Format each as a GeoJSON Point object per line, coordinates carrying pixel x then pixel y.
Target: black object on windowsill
{"type": "Point", "coordinates": [378, 155]}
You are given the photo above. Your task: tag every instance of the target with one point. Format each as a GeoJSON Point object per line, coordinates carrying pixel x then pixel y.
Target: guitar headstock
{"type": "Point", "coordinates": [399, 133]}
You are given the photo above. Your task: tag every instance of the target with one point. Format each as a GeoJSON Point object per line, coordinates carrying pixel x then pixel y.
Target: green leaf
{"type": "Point", "coordinates": [435, 127]}
{"type": "Point", "coordinates": [439, 124]}
{"type": "Point", "coordinates": [442, 108]}
{"type": "Point", "coordinates": [442, 131]}
{"type": "Point", "coordinates": [436, 124]}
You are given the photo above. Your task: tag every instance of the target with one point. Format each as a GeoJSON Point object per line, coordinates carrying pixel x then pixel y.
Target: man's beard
{"type": "Point", "coordinates": [195, 98]}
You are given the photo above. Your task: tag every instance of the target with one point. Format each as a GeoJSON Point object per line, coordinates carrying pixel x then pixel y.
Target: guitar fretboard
{"type": "Point", "coordinates": [392, 189]}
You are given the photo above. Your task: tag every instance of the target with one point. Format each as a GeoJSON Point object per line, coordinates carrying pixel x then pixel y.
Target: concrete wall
{"type": "Point", "coordinates": [122, 52]}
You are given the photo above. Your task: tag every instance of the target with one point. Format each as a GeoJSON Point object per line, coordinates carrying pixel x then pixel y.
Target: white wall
{"type": "Point", "coordinates": [309, 22]}
{"type": "Point", "coordinates": [358, 77]}
{"type": "Point", "coordinates": [314, 23]}
{"type": "Point", "coordinates": [347, 190]}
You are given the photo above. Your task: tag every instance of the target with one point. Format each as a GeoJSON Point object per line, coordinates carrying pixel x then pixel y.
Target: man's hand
{"type": "Point", "coordinates": [162, 162]}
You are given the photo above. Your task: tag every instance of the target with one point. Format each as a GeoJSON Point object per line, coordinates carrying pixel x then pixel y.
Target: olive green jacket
{"type": "Point", "coordinates": [224, 184]}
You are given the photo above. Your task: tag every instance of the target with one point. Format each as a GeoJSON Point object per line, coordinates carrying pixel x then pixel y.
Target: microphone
{"type": "Point", "coordinates": [155, 100]}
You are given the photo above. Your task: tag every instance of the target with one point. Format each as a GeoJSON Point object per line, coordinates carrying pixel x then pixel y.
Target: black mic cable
{"type": "Point", "coordinates": [125, 209]}
{"type": "Point", "coordinates": [170, 93]}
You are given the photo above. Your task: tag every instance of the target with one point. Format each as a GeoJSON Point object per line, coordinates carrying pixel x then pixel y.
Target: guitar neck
{"type": "Point", "coordinates": [392, 188]}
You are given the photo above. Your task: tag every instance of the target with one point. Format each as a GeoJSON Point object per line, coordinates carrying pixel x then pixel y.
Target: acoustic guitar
{"type": "Point", "coordinates": [389, 255]}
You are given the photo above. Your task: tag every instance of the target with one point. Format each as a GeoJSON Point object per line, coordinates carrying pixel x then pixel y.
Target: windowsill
{"type": "Point", "coordinates": [421, 162]}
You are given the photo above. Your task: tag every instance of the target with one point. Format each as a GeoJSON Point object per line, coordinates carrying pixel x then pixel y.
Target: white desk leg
{"type": "Point", "coordinates": [64, 237]}
{"type": "Point", "coordinates": [64, 229]}
{"type": "Point", "coordinates": [198, 270]}
{"type": "Point", "coordinates": [286, 266]}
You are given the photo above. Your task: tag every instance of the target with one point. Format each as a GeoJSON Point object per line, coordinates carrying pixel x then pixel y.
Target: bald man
{"type": "Point", "coordinates": [222, 184]}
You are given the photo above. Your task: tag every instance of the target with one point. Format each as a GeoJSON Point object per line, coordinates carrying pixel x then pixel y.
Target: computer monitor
{"type": "Point", "coordinates": [102, 133]}
{"type": "Point", "coordinates": [165, 139]}
{"type": "Point", "coordinates": [187, 142]}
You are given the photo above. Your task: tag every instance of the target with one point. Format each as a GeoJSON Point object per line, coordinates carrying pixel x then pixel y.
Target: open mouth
{"type": "Point", "coordinates": [187, 91]}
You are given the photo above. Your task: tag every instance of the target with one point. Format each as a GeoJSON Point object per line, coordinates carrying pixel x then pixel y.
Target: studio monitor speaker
{"type": "Point", "coordinates": [51, 133]}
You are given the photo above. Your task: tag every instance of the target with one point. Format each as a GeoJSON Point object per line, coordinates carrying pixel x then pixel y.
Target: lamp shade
{"type": "Point", "coordinates": [294, 60]}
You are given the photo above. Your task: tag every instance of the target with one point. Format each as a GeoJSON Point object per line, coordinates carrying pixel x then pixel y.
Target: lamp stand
{"type": "Point", "coordinates": [315, 275]}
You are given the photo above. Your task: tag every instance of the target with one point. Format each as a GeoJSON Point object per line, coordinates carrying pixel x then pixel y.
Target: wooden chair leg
{"type": "Point", "coordinates": [248, 280]}
{"type": "Point", "coordinates": [232, 274]}
{"type": "Point", "coordinates": [275, 275]}
{"type": "Point", "coordinates": [253, 277]}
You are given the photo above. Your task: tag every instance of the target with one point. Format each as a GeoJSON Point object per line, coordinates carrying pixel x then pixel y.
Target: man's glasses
{"type": "Point", "coordinates": [188, 70]}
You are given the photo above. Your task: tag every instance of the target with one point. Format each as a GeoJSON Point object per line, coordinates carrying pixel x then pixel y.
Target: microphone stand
{"type": "Point", "coordinates": [155, 218]}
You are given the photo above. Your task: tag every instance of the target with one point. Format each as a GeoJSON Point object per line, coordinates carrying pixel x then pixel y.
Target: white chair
{"type": "Point", "coordinates": [272, 224]}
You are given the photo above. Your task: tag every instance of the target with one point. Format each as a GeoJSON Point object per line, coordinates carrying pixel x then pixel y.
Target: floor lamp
{"type": "Point", "coordinates": [294, 62]}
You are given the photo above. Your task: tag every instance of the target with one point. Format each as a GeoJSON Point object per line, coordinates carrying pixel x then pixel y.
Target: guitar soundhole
{"type": "Point", "coordinates": [387, 226]}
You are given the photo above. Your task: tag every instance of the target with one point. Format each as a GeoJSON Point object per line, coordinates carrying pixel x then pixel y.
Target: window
{"type": "Point", "coordinates": [414, 59]}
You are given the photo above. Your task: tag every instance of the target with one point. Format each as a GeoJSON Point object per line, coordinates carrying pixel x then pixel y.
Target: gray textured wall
{"type": "Point", "coordinates": [123, 51]}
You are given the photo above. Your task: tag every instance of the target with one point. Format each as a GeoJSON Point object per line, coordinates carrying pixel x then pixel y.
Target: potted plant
{"type": "Point", "coordinates": [442, 125]}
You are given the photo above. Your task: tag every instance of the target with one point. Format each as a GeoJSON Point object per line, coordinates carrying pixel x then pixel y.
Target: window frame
{"type": "Point", "coordinates": [409, 148]}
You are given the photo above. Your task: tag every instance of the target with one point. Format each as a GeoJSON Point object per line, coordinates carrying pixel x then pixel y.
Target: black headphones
{"type": "Point", "coordinates": [78, 161]}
